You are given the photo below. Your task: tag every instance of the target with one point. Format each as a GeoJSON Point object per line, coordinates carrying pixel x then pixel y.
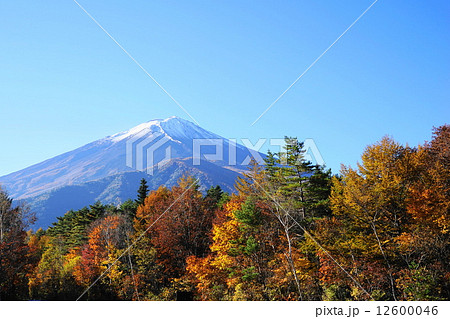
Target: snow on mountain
{"type": "Point", "coordinates": [174, 127]}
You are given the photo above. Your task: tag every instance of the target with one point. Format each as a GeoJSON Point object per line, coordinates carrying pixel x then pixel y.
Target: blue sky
{"type": "Point", "coordinates": [64, 83]}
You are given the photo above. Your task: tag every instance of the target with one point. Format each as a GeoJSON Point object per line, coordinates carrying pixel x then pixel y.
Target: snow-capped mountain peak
{"type": "Point", "coordinates": [175, 128]}
{"type": "Point", "coordinates": [107, 156]}
{"type": "Point", "coordinates": [110, 168]}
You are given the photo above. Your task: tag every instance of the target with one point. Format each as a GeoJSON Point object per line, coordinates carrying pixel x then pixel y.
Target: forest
{"type": "Point", "coordinates": [291, 231]}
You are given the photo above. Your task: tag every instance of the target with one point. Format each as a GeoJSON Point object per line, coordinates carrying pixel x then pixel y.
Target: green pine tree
{"type": "Point", "coordinates": [142, 192]}
{"type": "Point", "coordinates": [214, 195]}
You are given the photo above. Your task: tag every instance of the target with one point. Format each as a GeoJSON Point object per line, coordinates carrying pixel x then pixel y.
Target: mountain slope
{"type": "Point", "coordinates": [118, 188]}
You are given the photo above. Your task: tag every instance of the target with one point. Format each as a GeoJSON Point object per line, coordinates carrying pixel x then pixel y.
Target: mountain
{"type": "Point", "coordinates": [109, 169]}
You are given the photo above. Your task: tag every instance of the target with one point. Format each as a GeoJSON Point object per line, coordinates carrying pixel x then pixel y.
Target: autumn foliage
{"type": "Point", "coordinates": [291, 231]}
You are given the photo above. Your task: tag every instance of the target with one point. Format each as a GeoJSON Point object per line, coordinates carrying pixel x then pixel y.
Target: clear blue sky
{"type": "Point", "coordinates": [64, 83]}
